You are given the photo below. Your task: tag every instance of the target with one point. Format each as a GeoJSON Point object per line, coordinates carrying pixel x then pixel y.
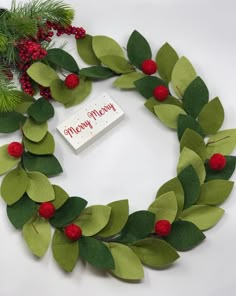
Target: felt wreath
{"type": "Point", "coordinates": [106, 236]}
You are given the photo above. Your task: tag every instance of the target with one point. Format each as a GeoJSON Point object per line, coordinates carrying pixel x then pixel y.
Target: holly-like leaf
{"type": "Point", "coordinates": [204, 217]}
{"type": "Point", "coordinates": [85, 50]}
{"type": "Point", "coordinates": [41, 111]}
{"type": "Point", "coordinates": [146, 85]}
{"type": "Point", "coordinates": [60, 196]}
{"type": "Point", "coordinates": [11, 121]}
{"type": "Point", "coordinates": [96, 253]}
{"type": "Point", "coordinates": [117, 64]}
{"type": "Point", "coordinates": [33, 131]}
{"type": "Point", "coordinates": [106, 46]}
{"type": "Point", "coordinates": [127, 264]}
{"type": "Point", "coordinates": [154, 252]}
{"type": "Point", "coordinates": [166, 59]}
{"type": "Point", "coordinates": [14, 185]}
{"type": "Point", "coordinates": [195, 97]}
{"type": "Point", "coordinates": [97, 73]}
{"type": "Point", "coordinates": [126, 81]}
{"type": "Point", "coordinates": [7, 161]}
{"type": "Point", "coordinates": [21, 212]}
{"type": "Point", "coordinates": [211, 117]}
{"type": "Point", "coordinates": [44, 147]}
{"type": "Point", "coordinates": [68, 212]}
{"type": "Point", "coordinates": [168, 114]}
{"type": "Point", "coordinates": [184, 235]}
{"type": "Point", "coordinates": [93, 219]}
{"type": "Point", "coordinates": [65, 251]}
{"type": "Point", "coordinates": [223, 174]}
{"type": "Point", "coordinates": [186, 121]}
{"type": "Point", "coordinates": [42, 74]}
{"type": "Point", "coordinates": [152, 102]}
{"type": "Point", "coordinates": [138, 49]}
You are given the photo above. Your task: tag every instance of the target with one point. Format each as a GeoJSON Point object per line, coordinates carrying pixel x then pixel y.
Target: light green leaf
{"type": "Point", "coordinates": [33, 131]}
{"type": "Point", "coordinates": [7, 161]}
{"type": "Point", "coordinates": [37, 235]}
{"type": "Point", "coordinates": [204, 217]}
{"type": "Point", "coordinates": [65, 251]}
{"type": "Point", "coordinates": [42, 74]}
{"type": "Point", "coordinates": [118, 218]}
{"type": "Point", "coordinates": [126, 81]}
{"type": "Point", "coordinates": [44, 147]}
{"type": "Point", "coordinates": [14, 185]}
{"type": "Point", "coordinates": [152, 102]}
{"type": "Point", "coordinates": [182, 75]}
{"type": "Point", "coordinates": [154, 252]}
{"type": "Point", "coordinates": [168, 114]}
{"type": "Point", "coordinates": [127, 264]}
{"type": "Point", "coordinates": [60, 196]}
{"type": "Point", "coordinates": [104, 46]}
{"type": "Point", "coordinates": [223, 142]}
{"type": "Point", "coordinates": [211, 117]}
{"type": "Point", "coordinates": [189, 157]}
{"type": "Point", "coordinates": [117, 64]}
{"type": "Point", "coordinates": [85, 50]}
{"type": "Point", "coordinates": [39, 188]}
{"type": "Point", "coordinates": [215, 192]}
{"type": "Point", "coordinates": [93, 219]}
{"type": "Point", "coordinates": [26, 102]}
{"type": "Point", "coordinates": [165, 207]}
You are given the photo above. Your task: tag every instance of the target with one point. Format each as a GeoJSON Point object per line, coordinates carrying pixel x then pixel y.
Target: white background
{"type": "Point", "coordinates": [139, 155]}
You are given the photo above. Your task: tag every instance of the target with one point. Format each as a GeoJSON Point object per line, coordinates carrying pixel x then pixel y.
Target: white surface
{"type": "Point", "coordinates": [139, 155]}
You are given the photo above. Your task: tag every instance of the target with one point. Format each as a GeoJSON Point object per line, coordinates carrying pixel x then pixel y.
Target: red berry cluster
{"type": "Point", "coordinates": [29, 50]}
{"type": "Point", "coordinates": [69, 30]}
{"type": "Point", "coordinates": [44, 34]}
{"type": "Point", "coordinates": [26, 84]}
{"type": "Point", "coordinates": [45, 92]}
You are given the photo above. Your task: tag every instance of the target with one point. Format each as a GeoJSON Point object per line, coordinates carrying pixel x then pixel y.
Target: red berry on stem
{"type": "Point", "coordinates": [161, 93]}
{"type": "Point", "coordinates": [162, 227]}
{"type": "Point", "coordinates": [73, 232]}
{"type": "Point", "coordinates": [46, 210]}
{"type": "Point", "coordinates": [217, 162]}
{"type": "Point", "coordinates": [15, 149]}
{"type": "Point", "coordinates": [149, 67]}
{"type": "Point", "coordinates": [72, 80]}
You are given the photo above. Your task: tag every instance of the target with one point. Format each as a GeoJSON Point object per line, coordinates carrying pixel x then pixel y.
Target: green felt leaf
{"type": "Point", "coordinates": [21, 212]}
{"type": "Point", "coordinates": [33, 131]}
{"type": "Point", "coordinates": [204, 217]}
{"type": "Point", "coordinates": [97, 73]}
{"type": "Point", "coordinates": [191, 185]}
{"type": "Point", "coordinates": [168, 114]}
{"type": "Point", "coordinates": [118, 218]}
{"type": "Point", "coordinates": [189, 157]}
{"type": "Point", "coordinates": [117, 64]}
{"type": "Point", "coordinates": [127, 264]}
{"type": "Point", "coordinates": [215, 192]}
{"type": "Point", "coordinates": [154, 252]}
{"type": "Point", "coordinates": [42, 74]}
{"type": "Point", "coordinates": [225, 173]}
{"type": "Point", "coordinates": [184, 235]}
{"type": "Point", "coordinates": [138, 49]}
{"type": "Point", "coordinates": [44, 147]}
{"type": "Point", "coordinates": [139, 225]}
{"type": "Point", "coordinates": [182, 75]}
{"type": "Point", "coordinates": [45, 164]}
{"type": "Point", "coordinates": [11, 121]}
{"type": "Point", "coordinates": [83, 92]}
{"type": "Point", "coordinates": [68, 212]}
{"type": "Point", "coordinates": [85, 50]}
{"type": "Point", "coordinates": [41, 110]}
{"type": "Point", "coordinates": [60, 196]}
{"type": "Point", "coordinates": [175, 186]}
{"type": "Point", "coordinates": [186, 121]}
{"type": "Point", "coordinates": [166, 59]}
{"type": "Point", "coordinates": [195, 97]}
{"type": "Point", "coordinates": [146, 85]}
{"type": "Point", "coordinates": [39, 188]}
{"type": "Point", "coordinates": [211, 117]}
{"type": "Point", "coordinates": [193, 141]}
{"type": "Point", "coordinates": [106, 46]}
{"type": "Point", "coordinates": [165, 207]}
{"type": "Point", "coordinates": [96, 253]}
{"type": "Point", "coordinates": [223, 142]}
{"type": "Point", "coordinates": [37, 235]}
{"type": "Point", "coordinates": [152, 102]}
{"type": "Point", "coordinates": [25, 103]}
{"type": "Point", "coordinates": [93, 219]}
{"type": "Point", "coordinates": [62, 59]}
{"type": "Point", "coordinates": [65, 251]}
{"type": "Point", "coordinates": [14, 185]}
{"type": "Point", "coordinates": [7, 161]}
{"type": "Point", "coordinates": [126, 81]}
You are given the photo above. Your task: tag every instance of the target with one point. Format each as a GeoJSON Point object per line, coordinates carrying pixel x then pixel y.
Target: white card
{"type": "Point", "coordinates": [91, 121]}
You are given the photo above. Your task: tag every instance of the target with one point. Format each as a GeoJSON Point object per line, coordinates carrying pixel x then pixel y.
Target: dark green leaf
{"type": "Point", "coordinates": [146, 85]}
{"type": "Point", "coordinates": [225, 173]}
{"type": "Point", "coordinates": [186, 121]}
{"type": "Point", "coordinates": [97, 72]}
{"type": "Point", "coordinates": [85, 50]}
{"type": "Point", "coordinates": [11, 122]}
{"type": "Point", "coordinates": [41, 110]}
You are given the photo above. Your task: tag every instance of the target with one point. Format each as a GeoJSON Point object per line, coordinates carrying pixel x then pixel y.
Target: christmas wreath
{"type": "Point", "coordinates": [106, 236]}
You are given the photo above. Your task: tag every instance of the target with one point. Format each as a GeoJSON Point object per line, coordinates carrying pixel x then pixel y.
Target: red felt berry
{"type": "Point", "coordinates": [46, 210]}
{"type": "Point", "coordinates": [162, 227]}
{"type": "Point", "coordinates": [15, 149]}
{"type": "Point", "coordinates": [161, 93]}
{"type": "Point", "coordinates": [72, 80]}
{"type": "Point", "coordinates": [217, 162]}
{"type": "Point", "coordinates": [149, 67]}
{"type": "Point", "coordinates": [73, 232]}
